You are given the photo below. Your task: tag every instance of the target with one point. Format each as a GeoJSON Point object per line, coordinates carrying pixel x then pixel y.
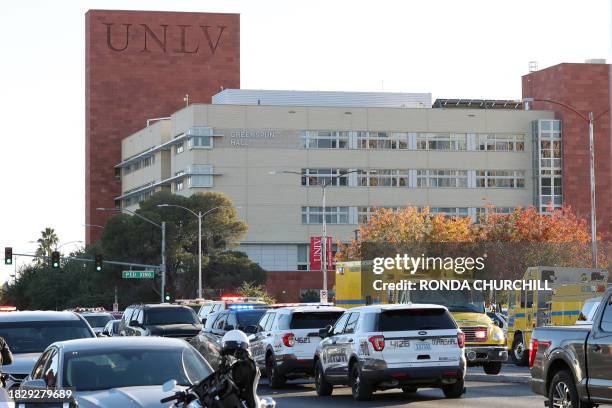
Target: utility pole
{"type": "Point", "coordinates": [593, 216]}
{"type": "Point", "coordinates": [163, 260]}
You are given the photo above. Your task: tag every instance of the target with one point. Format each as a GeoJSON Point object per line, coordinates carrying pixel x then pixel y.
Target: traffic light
{"type": "Point", "coordinates": [8, 255]}
{"type": "Point", "coordinates": [167, 296]}
{"type": "Point", "coordinates": [98, 262]}
{"type": "Point", "coordinates": [55, 259]}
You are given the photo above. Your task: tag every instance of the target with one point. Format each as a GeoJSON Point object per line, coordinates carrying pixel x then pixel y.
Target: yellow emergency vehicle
{"type": "Point", "coordinates": [561, 305]}
{"type": "Point", "coordinates": [485, 345]}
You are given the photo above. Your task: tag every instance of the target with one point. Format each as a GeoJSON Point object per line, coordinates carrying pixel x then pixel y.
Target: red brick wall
{"type": "Point", "coordinates": [285, 286]}
{"type": "Point", "coordinates": [139, 65]}
{"type": "Point", "coordinates": [586, 87]}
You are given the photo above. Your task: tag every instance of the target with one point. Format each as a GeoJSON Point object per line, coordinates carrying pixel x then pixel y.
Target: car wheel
{"type": "Point", "coordinates": [276, 380]}
{"type": "Point", "coordinates": [455, 390]}
{"type": "Point", "coordinates": [323, 388]}
{"type": "Point", "coordinates": [492, 368]}
{"type": "Point", "coordinates": [361, 390]}
{"type": "Point", "coordinates": [519, 351]}
{"type": "Point", "coordinates": [562, 392]}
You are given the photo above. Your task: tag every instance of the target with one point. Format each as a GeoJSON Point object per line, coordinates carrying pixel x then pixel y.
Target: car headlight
{"type": "Point", "coordinates": [498, 335]}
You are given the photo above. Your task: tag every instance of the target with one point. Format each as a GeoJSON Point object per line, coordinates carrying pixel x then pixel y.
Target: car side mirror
{"type": "Point", "coordinates": [134, 323]}
{"type": "Point", "coordinates": [203, 320]}
{"type": "Point", "coordinates": [324, 332]}
{"type": "Point", "coordinates": [34, 384]}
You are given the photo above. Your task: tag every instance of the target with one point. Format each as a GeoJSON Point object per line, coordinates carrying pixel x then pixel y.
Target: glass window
{"type": "Point", "coordinates": [351, 325]}
{"type": "Point", "coordinates": [171, 315]}
{"type": "Point", "coordinates": [179, 148]}
{"type": "Point", "coordinates": [303, 255]}
{"type": "Point", "coordinates": [606, 318]}
{"type": "Point", "coordinates": [501, 142]}
{"type": "Point", "coordinates": [441, 141]}
{"type": "Point", "coordinates": [325, 139]}
{"type": "Point", "coordinates": [416, 319]}
{"type": "Point", "coordinates": [248, 317]}
{"type": "Point", "coordinates": [103, 369]}
{"type": "Point", "coordinates": [333, 215]}
{"type": "Point", "coordinates": [34, 337]}
{"type": "Point", "coordinates": [220, 322]}
{"type": "Point", "coordinates": [98, 320]}
{"type": "Point", "coordinates": [50, 375]}
{"type": "Point", "coordinates": [327, 177]}
{"type": "Point", "coordinates": [313, 320]}
{"type": "Point", "coordinates": [500, 178]}
{"type": "Point", "coordinates": [436, 178]}
{"type": "Point", "coordinates": [339, 326]}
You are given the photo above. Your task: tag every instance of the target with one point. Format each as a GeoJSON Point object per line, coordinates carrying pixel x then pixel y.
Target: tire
{"type": "Point", "coordinates": [492, 368]}
{"type": "Point", "coordinates": [274, 377]}
{"type": "Point", "coordinates": [455, 390]}
{"type": "Point", "coordinates": [519, 351]}
{"type": "Point", "coordinates": [563, 391]}
{"type": "Point", "coordinates": [361, 390]}
{"type": "Point", "coordinates": [323, 388]}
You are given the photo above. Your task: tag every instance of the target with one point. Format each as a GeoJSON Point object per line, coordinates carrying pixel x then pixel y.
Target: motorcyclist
{"type": "Point", "coordinates": [233, 385]}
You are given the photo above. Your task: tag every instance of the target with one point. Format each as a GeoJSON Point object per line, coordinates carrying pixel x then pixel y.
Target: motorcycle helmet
{"type": "Point", "coordinates": [234, 341]}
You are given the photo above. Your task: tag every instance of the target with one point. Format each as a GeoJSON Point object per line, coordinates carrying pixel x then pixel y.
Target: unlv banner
{"type": "Point", "coordinates": [316, 253]}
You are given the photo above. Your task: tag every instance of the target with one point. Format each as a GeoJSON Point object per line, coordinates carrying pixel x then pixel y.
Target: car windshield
{"type": "Point", "coordinates": [98, 321]}
{"type": "Point", "coordinates": [249, 318]}
{"type": "Point", "coordinates": [171, 315]}
{"type": "Point", "coordinates": [35, 337]}
{"type": "Point", "coordinates": [415, 319]}
{"type": "Point", "coordinates": [313, 320]}
{"type": "Point", "coordinates": [454, 300]}
{"type": "Point", "coordinates": [110, 368]}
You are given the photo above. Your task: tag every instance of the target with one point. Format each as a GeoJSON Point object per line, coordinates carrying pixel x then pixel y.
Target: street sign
{"type": "Point", "coordinates": [323, 296]}
{"type": "Point", "coordinates": [138, 274]}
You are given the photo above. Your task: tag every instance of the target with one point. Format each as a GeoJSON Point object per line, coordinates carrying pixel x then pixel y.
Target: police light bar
{"type": "Point", "coordinates": [233, 298]}
{"type": "Point", "coordinates": [7, 308]}
{"type": "Point", "coordinates": [241, 307]}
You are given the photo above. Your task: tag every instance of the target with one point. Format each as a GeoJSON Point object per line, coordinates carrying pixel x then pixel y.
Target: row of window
{"type": "Point", "coordinates": [329, 139]}
{"type": "Point", "coordinates": [345, 214]}
{"type": "Point", "coordinates": [429, 178]}
{"type": "Point", "coordinates": [197, 176]}
{"type": "Point", "coordinates": [139, 164]}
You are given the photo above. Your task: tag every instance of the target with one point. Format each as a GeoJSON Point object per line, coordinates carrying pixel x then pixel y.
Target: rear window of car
{"type": "Point", "coordinates": [313, 320]}
{"type": "Point", "coordinates": [415, 319]}
{"type": "Point", "coordinates": [171, 315]}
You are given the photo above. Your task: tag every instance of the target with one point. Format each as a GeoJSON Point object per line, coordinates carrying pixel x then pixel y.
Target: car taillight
{"type": "Point", "coordinates": [378, 342]}
{"type": "Point", "coordinates": [289, 339]}
{"type": "Point", "coordinates": [461, 339]}
{"type": "Point", "coordinates": [534, 344]}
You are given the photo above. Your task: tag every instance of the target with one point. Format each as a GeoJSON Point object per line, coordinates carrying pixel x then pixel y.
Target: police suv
{"type": "Point", "coordinates": [285, 340]}
{"type": "Point", "coordinates": [392, 346]}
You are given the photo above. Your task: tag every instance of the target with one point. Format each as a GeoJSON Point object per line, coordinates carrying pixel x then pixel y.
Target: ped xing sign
{"type": "Point", "coordinates": [138, 274]}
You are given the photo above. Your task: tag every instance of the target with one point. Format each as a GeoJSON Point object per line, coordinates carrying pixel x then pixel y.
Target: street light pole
{"type": "Point", "coordinates": [593, 216]}
{"type": "Point", "coordinates": [199, 215]}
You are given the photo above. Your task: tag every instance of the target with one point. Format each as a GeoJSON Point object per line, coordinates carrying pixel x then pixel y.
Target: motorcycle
{"type": "Point", "coordinates": [233, 385]}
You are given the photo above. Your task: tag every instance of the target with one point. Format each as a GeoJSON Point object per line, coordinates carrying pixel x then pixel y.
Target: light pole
{"type": "Point", "coordinates": [323, 205]}
{"type": "Point", "coordinates": [199, 216]}
{"type": "Point", "coordinates": [161, 226]}
{"type": "Point", "coordinates": [590, 121]}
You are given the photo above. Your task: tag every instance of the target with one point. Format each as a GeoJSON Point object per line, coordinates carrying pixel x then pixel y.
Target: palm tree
{"type": "Point", "coordinates": [46, 243]}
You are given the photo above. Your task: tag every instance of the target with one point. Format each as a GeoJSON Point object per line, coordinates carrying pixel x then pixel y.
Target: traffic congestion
{"type": "Point", "coordinates": [181, 352]}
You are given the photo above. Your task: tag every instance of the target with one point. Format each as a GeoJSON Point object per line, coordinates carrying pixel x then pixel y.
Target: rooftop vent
{"type": "Point", "coordinates": [595, 61]}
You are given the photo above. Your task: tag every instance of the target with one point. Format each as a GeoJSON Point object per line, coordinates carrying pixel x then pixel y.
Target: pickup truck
{"type": "Point", "coordinates": [572, 365]}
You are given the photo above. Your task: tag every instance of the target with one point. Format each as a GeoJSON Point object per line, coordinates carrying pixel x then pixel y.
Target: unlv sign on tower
{"type": "Point", "coordinates": [145, 38]}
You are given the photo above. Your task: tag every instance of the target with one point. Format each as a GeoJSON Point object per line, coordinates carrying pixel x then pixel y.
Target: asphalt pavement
{"type": "Point", "coordinates": [478, 395]}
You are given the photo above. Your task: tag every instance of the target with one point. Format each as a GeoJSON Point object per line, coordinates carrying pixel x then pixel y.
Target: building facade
{"type": "Point", "coordinates": [272, 161]}
{"type": "Point", "coordinates": [131, 58]}
{"type": "Point", "coordinates": [585, 88]}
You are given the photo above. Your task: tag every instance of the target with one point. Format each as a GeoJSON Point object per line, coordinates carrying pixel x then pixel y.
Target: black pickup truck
{"type": "Point", "coordinates": [572, 365]}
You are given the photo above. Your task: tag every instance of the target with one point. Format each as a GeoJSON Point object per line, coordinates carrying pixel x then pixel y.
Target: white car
{"type": "Point", "coordinates": [97, 320]}
{"type": "Point", "coordinates": [392, 346]}
{"type": "Point", "coordinates": [286, 340]}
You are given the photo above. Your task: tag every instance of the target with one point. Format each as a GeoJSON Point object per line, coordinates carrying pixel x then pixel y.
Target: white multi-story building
{"type": "Point", "coordinates": [372, 150]}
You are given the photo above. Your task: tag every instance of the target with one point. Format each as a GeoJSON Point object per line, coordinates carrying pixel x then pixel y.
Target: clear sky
{"type": "Point", "coordinates": [467, 49]}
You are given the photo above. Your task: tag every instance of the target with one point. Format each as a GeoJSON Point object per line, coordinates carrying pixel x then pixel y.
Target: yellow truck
{"type": "Point", "coordinates": [485, 345]}
{"type": "Point", "coordinates": [559, 306]}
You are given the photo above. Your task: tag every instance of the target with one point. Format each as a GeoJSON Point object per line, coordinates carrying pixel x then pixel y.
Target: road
{"type": "Point", "coordinates": [479, 394]}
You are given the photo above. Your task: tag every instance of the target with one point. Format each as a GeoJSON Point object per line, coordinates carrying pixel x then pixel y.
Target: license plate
{"type": "Point", "coordinates": [423, 346]}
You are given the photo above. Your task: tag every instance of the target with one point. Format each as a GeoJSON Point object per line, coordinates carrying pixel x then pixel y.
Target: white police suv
{"type": "Point", "coordinates": [286, 339]}
{"type": "Point", "coordinates": [392, 346]}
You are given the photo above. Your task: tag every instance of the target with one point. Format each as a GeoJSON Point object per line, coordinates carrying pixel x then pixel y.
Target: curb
{"type": "Point", "coordinates": [500, 378]}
